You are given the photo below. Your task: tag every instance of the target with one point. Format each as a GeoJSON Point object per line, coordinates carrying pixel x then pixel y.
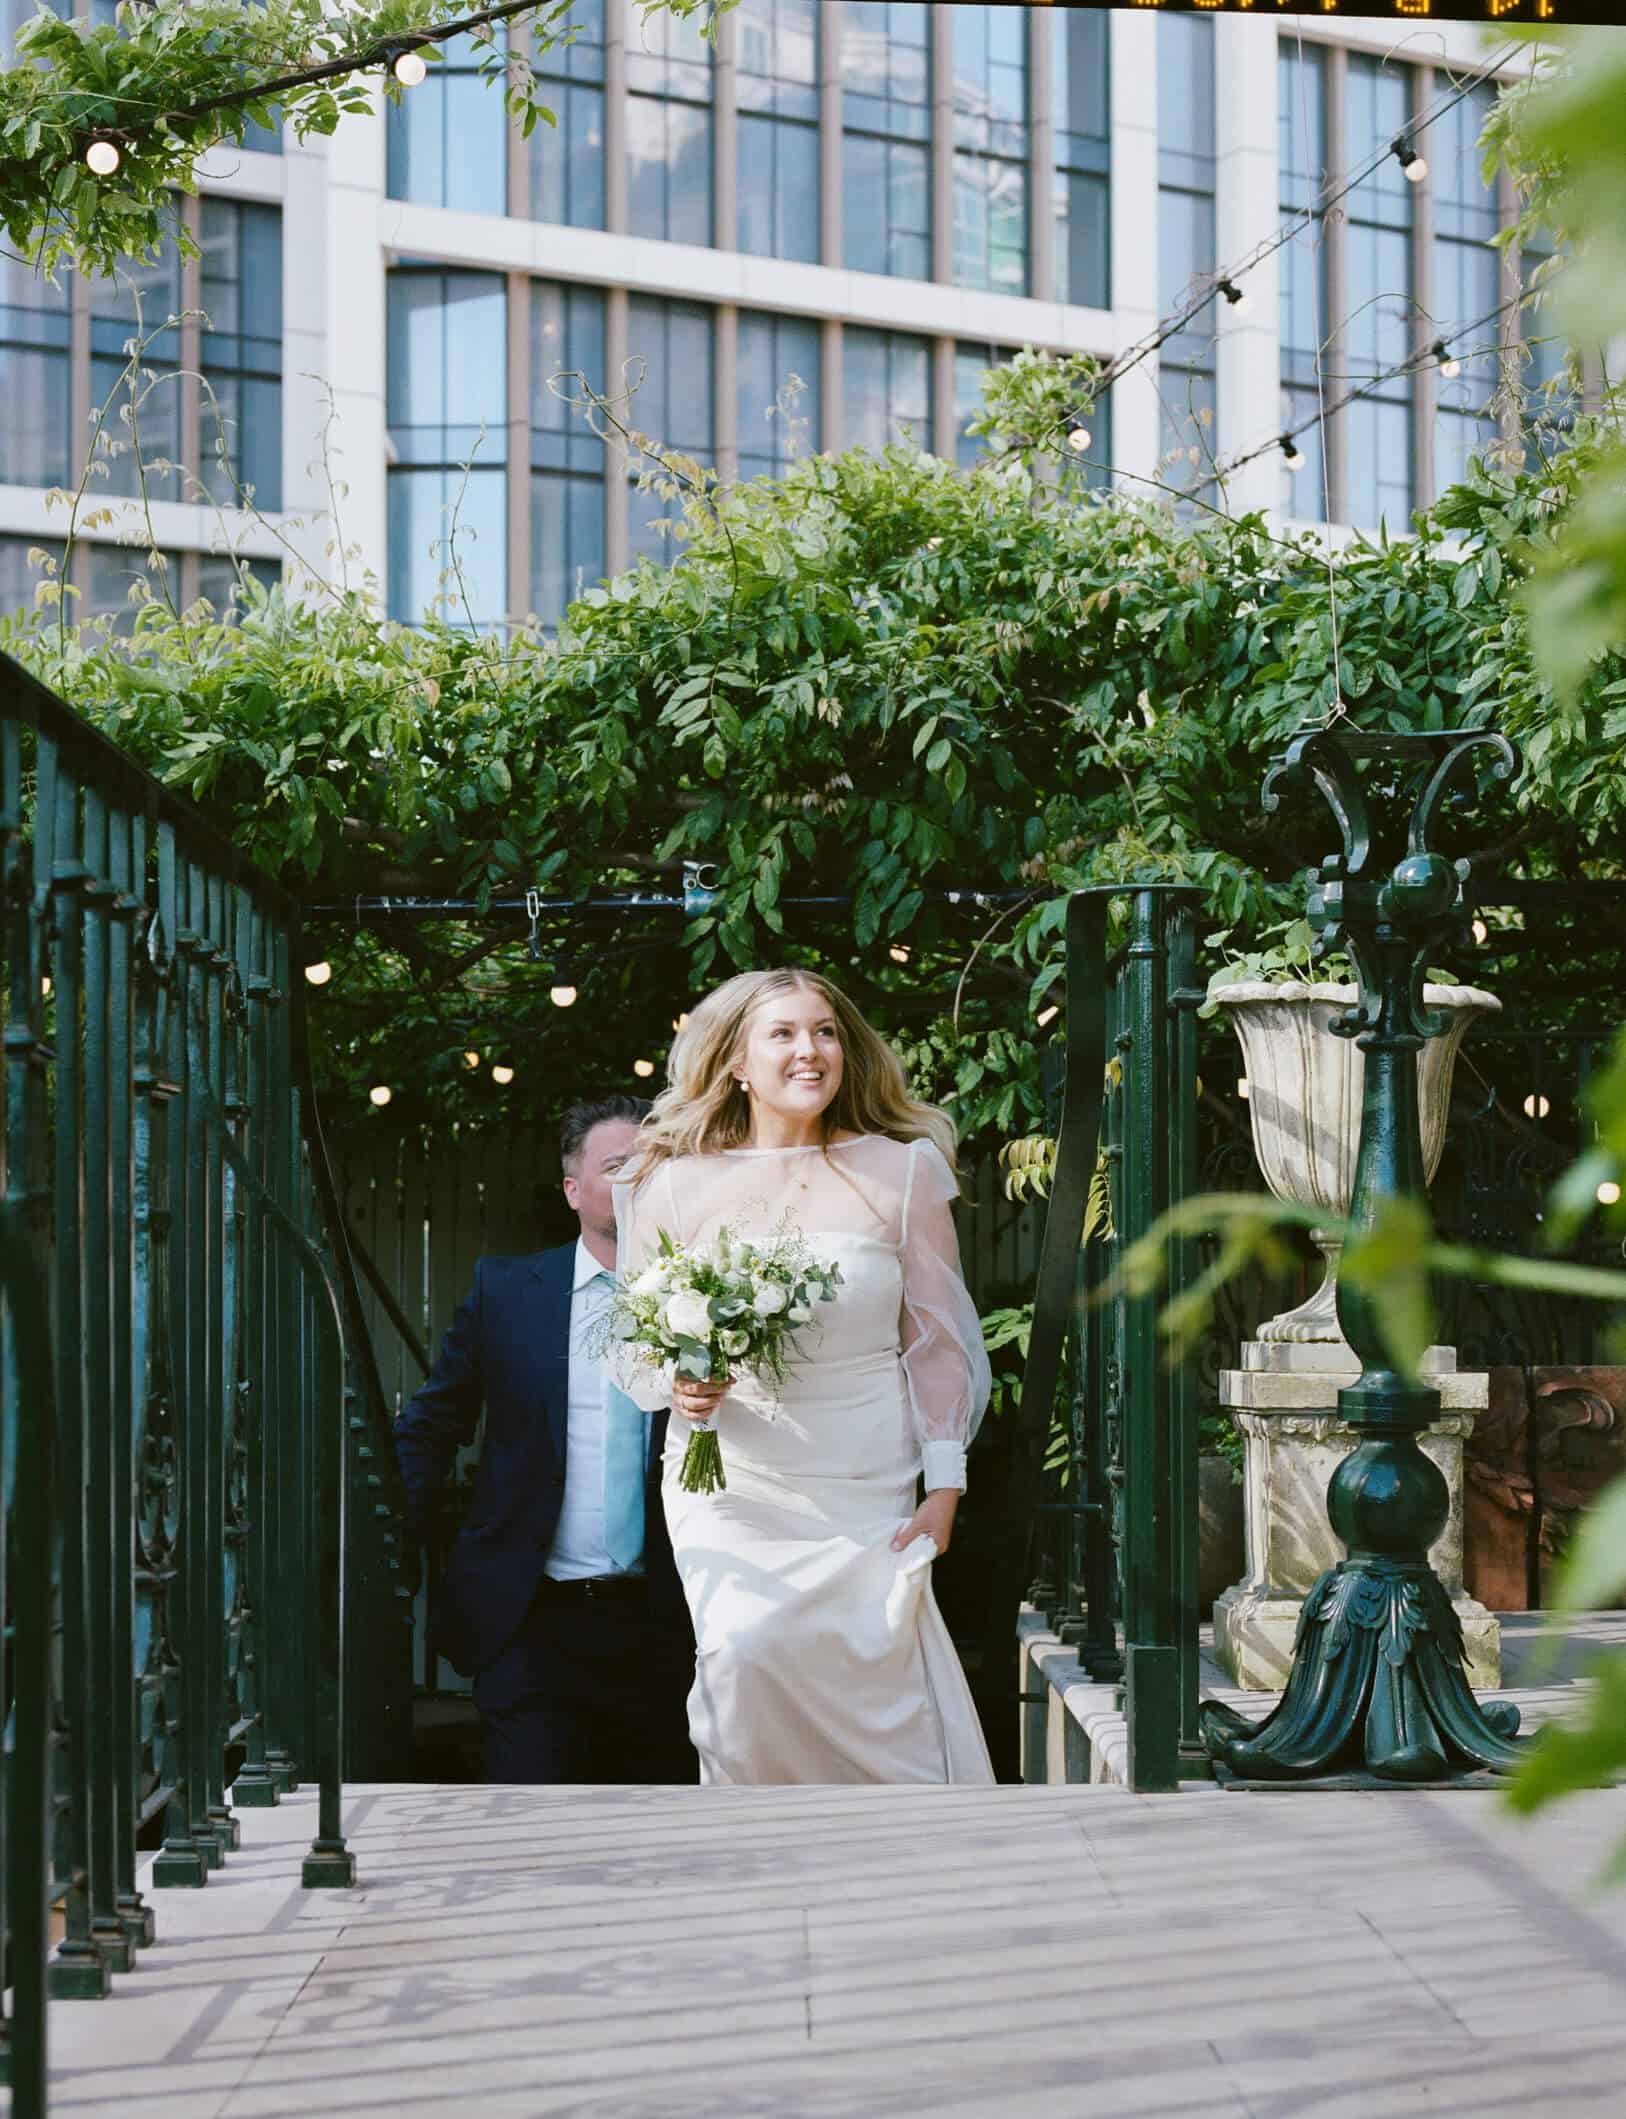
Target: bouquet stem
{"type": "Point", "coordinates": [702, 1469]}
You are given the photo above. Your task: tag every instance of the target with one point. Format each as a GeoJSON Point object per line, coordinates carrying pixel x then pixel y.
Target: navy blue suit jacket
{"type": "Point", "coordinates": [508, 1350]}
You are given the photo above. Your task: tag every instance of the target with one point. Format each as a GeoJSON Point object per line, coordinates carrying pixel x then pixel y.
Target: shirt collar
{"type": "Point", "coordinates": [585, 1270]}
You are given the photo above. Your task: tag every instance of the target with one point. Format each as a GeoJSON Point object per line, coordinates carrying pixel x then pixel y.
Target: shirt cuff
{"type": "Point", "coordinates": [944, 1465]}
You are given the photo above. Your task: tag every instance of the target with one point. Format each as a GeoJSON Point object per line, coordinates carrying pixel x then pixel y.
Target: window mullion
{"type": "Point", "coordinates": [615, 128]}
{"type": "Point", "coordinates": [940, 101]}
{"type": "Point", "coordinates": [1334, 227]}
{"type": "Point", "coordinates": [1425, 378]}
{"type": "Point", "coordinates": [944, 440]}
{"type": "Point", "coordinates": [725, 135]}
{"type": "Point", "coordinates": [519, 445]}
{"type": "Point", "coordinates": [830, 177]}
{"type": "Point", "coordinates": [191, 427]}
{"type": "Point", "coordinates": [725, 401]}
{"type": "Point", "coordinates": [617, 511]}
{"type": "Point", "coordinates": [1042, 30]}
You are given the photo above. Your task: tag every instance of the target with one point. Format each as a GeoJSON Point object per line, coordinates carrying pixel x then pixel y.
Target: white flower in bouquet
{"type": "Point", "coordinates": [717, 1309]}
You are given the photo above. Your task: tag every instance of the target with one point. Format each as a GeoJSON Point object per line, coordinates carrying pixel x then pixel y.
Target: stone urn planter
{"type": "Point", "coordinates": [1304, 1101]}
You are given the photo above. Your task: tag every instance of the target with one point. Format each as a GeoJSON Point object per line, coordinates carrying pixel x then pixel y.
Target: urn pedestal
{"type": "Point", "coordinates": [1284, 1400]}
{"type": "Point", "coordinates": [1305, 1089]}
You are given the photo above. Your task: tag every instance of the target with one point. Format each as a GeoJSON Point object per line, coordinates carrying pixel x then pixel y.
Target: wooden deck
{"type": "Point", "coordinates": [852, 1953]}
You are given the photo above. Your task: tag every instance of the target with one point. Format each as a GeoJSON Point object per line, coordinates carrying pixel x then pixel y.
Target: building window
{"type": "Point", "coordinates": [1467, 288]}
{"type": "Point", "coordinates": [668, 127]}
{"type": "Point", "coordinates": [1381, 328]}
{"type": "Point", "coordinates": [447, 140]}
{"type": "Point", "coordinates": [567, 457]}
{"type": "Point", "coordinates": [779, 392]}
{"type": "Point", "coordinates": [886, 388]}
{"type": "Point", "coordinates": [241, 444]}
{"type": "Point", "coordinates": [971, 366]}
{"type": "Point", "coordinates": [137, 403]}
{"type": "Point", "coordinates": [778, 92]}
{"type": "Point", "coordinates": [566, 159]}
{"type": "Point", "coordinates": [670, 344]}
{"type": "Point", "coordinates": [1082, 198]}
{"type": "Point", "coordinates": [1186, 258]}
{"type": "Point", "coordinates": [1090, 468]}
{"type": "Point", "coordinates": [221, 578]}
{"type": "Point", "coordinates": [990, 148]}
{"type": "Point", "coordinates": [447, 402]}
{"type": "Point", "coordinates": [120, 580]}
{"type": "Point", "coordinates": [886, 152]}
{"type": "Point", "coordinates": [1301, 114]}
{"type": "Point", "coordinates": [18, 579]}
{"type": "Point", "coordinates": [34, 391]}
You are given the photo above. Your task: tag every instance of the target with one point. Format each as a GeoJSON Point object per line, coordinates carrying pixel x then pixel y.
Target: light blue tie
{"type": "Point", "coordinates": [626, 1460]}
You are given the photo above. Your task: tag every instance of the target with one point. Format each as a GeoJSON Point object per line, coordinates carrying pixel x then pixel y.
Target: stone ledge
{"type": "Point", "coordinates": [1316, 1390]}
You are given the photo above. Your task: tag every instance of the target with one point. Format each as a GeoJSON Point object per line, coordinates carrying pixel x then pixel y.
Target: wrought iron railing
{"type": "Point", "coordinates": [220, 1551]}
{"type": "Point", "coordinates": [1115, 1518]}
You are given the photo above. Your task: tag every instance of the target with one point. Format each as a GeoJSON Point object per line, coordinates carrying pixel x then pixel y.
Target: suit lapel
{"type": "Point", "coordinates": [554, 1272]}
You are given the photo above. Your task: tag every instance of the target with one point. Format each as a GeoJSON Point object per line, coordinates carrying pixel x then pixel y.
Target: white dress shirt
{"type": "Point", "coordinates": [578, 1548]}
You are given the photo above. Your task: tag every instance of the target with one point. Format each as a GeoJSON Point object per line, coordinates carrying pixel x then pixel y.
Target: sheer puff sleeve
{"type": "Point", "coordinates": [641, 1212]}
{"type": "Point", "coordinates": [945, 1364]}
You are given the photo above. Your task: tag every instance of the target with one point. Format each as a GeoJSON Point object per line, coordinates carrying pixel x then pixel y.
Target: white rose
{"type": "Point", "coordinates": [799, 1313]}
{"type": "Point", "coordinates": [652, 1279]}
{"type": "Point", "coordinates": [735, 1342]}
{"type": "Point", "coordinates": [688, 1315]}
{"type": "Point", "coordinates": [768, 1298]}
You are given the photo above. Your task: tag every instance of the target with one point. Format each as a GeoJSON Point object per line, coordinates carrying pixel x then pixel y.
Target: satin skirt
{"type": "Point", "coordinates": [821, 1653]}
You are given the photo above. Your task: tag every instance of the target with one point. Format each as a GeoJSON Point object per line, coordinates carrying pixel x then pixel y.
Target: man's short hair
{"type": "Point", "coordinates": [581, 1118]}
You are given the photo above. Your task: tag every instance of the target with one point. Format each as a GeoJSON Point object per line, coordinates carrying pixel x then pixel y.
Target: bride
{"type": "Point", "coordinates": [822, 1655]}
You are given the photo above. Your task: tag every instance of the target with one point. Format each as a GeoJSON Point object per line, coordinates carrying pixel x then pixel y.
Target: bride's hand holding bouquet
{"type": "Point", "coordinates": [707, 1312]}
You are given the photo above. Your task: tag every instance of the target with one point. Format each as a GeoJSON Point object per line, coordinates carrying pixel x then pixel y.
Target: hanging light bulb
{"type": "Point", "coordinates": [562, 996]}
{"type": "Point", "coordinates": [1450, 366]}
{"type": "Point", "coordinates": [1609, 1193]}
{"type": "Point", "coordinates": [45, 989]}
{"type": "Point", "coordinates": [102, 158]}
{"type": "Point", "coordinates": [410, 69]}
{"type": "Point", "coordinates": [1048, 1015]}
{"type": "Point", "coordinates": [643, 1069]}
{"type": "Point", "coordinates": [502, 1075]}
{"type": "Point", "coordinates": [680, 1022]}
{"type": "Point", "coordinates": [1242, 1087]}
{"type": "Point", "coordinates": [1292, 454]}
{"type": "Point", "coordinates": [380, 1094]}
{"type": "Point", "coordinates": [1235, 295]}
{"type": "Point", "coordinates": [899, 952]}
{"type": "Point", "coordinates": [1079, 440]}
{"type": "Point", "coordinates": [471, 1060]}
{"type": "Point", "coordinates": [1411, 162]}
{"type": "Point", "coordinates": [1536, 1106]}
{"type": "Point", "coordinates": [1481, 932]}
{"type": "Point", "coordinates": [318, 974]}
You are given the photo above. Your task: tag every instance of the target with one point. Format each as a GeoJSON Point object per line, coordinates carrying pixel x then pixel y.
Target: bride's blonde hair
{"type": "Point", "coordinates": [701, 1109]}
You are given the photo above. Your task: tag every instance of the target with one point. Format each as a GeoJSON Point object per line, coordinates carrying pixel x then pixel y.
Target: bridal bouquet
{"type": "Point", "coordinates": [717, 1309]}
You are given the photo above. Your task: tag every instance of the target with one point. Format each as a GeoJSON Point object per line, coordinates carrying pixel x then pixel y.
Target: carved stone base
{"type": "Point", "coordinates": [1254, 1634]}
{"type": "Point", "coordinates": [1284, 1401]}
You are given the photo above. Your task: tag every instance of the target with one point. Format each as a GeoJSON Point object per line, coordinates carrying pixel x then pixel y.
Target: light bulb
{"type": "Point", "coordinates": [1411, 162]}
{"type": "Point", "coordinates": [1235, 296]}
{"type": "Point", "coordinates": [562, 996]}
{"type": "Point", "coordinates": [1416, 170]}
{"type": "Point", "coordinates": [380, 1094]}
{"type": "Point", "coordinates": [643, 1069]}
{"type": "Point", "coordinates": [1079, 440]}
{"type": "Point", "coordinates": [680, 1022]}
{"type": "Point", "coordinates": [471, 1060]}
{"type": "Point", "coordinates": [1450, 366]}
{"type": "Point", "coordinates": [1242, 1087]}
{"type": "Point", "coordinates": [101, 158]}
{"type": "Point", "coordinates": [410, 69]}
{"type": "Point", "coordinates": [1536, 1106]}
{"type": "Point", "coordinates": [45, 989]}
{"type": "Point", "coordinates": [1608, 1193]}
{"type": "Point", "coordinates": [318, 974]}
{"type": "Point", "coordinates": [899, 952]}
{"type": "Point", "coordinates": [1292, 454]}
{"type": "Point", "coordinates": [1048, 1015]}
{"type": "Point", "coordinates": [502, 1075]}
{"type": "Point", "coordinates": [1481, 931]}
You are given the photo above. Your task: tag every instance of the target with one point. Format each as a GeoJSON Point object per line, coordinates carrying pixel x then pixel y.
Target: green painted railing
{"type": "Point", "coordinates": [1115, 1515]}
{"type": "Point", "coordinates": [201, 1524]}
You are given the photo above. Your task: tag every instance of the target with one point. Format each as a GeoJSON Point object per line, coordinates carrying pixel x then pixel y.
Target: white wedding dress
{"type": "Point", "coordinates": [822, 1655]}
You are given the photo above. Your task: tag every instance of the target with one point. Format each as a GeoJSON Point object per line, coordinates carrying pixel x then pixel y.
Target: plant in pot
{"type": "Point", "coordinates": [1304, 1086]}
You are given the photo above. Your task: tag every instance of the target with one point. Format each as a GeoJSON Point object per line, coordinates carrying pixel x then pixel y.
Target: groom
{"type": "Point", "coordinates": [560, 1599]}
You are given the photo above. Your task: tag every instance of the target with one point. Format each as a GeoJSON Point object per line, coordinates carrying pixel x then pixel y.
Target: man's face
{"type": "Point", "coordinates": [587, 1187]}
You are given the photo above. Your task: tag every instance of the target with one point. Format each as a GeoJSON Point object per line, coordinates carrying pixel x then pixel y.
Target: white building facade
{"type": "Point", "coordinates": [879, 199]}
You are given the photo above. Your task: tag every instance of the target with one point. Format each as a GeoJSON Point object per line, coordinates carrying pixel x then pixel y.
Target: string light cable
{"type": "Point", "coordinates": [1424, 356]}
{"type": "Point", "coordinates": [1227, 283]}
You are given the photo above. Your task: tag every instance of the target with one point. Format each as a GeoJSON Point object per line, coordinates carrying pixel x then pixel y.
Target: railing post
{"type": "Point", "coordinates": [1180, 1067]}
{"type": "Point", "coordinates": [214, 958]}
{"type": "Point", "coordinates": [81, 1969]}
{"type": "Point", "coordinates": [287, 1738]}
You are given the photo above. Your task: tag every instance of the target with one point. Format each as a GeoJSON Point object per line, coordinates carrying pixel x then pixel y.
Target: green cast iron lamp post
{"type": "Point", "coordinates": [1377, 1682]}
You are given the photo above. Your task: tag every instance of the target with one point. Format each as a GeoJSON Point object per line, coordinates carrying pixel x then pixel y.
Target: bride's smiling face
{"type": "Point", "coordinates": [792, 1062]}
